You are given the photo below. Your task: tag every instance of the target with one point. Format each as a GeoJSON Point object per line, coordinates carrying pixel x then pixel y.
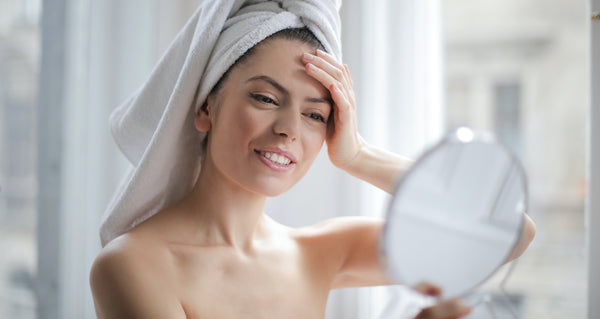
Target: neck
{"type": "Point", "coordinates": [223, 212]}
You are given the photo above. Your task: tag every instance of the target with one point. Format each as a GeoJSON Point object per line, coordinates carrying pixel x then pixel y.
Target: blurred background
{"type": "Point", "coordinates": [518, 68]}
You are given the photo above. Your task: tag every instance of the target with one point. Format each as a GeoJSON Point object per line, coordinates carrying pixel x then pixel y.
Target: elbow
{"type": "Point", "coordinates": [528, 233]}
{"type": "Point", "coordinates": [528, 230]}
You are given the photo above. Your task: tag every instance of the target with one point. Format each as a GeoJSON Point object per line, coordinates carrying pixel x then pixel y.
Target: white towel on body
{"type": "Point", "coordinates": [154, 128]}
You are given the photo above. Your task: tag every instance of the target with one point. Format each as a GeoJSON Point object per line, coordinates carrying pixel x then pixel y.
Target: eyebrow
{"type": "Point", "coordinates": [283, 90]}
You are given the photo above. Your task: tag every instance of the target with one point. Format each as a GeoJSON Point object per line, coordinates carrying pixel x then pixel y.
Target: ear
{"type": "Point", "coordinates": [203, 118]}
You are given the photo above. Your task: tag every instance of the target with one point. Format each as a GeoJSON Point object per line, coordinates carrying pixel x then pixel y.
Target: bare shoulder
{"type": "Point", "coordinates": [121, 256]}
{"type": "Point", "coordinates": [128, 280]}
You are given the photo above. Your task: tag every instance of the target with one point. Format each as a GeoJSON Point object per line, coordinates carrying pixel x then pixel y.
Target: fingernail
{"type": "Point", "coordinates": [308, 56]}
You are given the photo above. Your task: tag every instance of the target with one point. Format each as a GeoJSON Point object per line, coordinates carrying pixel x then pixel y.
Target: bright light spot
{"type": "Point", "coordinates": [464, 134]}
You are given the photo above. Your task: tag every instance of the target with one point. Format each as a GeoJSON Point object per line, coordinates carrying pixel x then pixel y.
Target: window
{"type": "Point", "coordinates": [19, 51]}
{"type": "Point", "coordinates": [507, 115]}
{"type": "Point", "coordinates": [519, 68]}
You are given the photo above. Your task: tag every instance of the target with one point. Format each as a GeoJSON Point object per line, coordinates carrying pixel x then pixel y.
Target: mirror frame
{"type": "Point", "coordinates": [462, 135]}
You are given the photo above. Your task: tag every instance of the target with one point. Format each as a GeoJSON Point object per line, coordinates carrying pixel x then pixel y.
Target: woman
{"type": "Point", "coordinates": [214, 253]}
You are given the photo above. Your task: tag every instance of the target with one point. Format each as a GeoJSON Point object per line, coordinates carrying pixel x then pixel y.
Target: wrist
{"type": "Point", "coordinates": [354, 164]}
{"type": "Point", "coordinates": [377, 166]}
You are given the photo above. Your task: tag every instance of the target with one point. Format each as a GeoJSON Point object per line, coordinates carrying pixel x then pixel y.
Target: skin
{"type": "Point", "coordinates": [216, 254]}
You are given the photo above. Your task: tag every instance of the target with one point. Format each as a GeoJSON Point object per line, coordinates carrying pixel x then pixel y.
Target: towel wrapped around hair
{"type": "Point", "coordinates": [154, 128]}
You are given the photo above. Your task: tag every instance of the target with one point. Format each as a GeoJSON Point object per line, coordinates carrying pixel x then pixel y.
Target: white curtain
{"type": "Point", "coordinates": [111, 47]}
{"type": "Point", "coordinates": [393, 49]}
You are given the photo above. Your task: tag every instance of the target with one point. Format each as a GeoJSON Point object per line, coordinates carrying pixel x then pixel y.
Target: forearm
{"type": "Point", "coordinates": [378, 167]}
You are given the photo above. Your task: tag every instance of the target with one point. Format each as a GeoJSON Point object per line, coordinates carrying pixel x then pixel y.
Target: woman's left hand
{"type": "Point", "coordinates": [448, 309]}
{"type": "Point", "coordinates": [343, 141]}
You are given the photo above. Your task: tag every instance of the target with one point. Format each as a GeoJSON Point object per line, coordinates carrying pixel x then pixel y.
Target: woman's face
{"type": "Point", "coordinates": [268, 121]}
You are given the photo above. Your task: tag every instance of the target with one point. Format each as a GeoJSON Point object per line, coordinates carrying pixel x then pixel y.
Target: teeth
{"type": "Point", "coordinates": [278, 159]}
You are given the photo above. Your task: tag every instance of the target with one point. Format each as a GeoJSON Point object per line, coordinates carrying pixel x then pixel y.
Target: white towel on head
{"type": "Point", "coordinates": [154, 127]}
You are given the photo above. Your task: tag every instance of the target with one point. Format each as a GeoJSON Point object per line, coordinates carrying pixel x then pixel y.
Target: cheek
{"type": "Point", "coordinates": [313, 142]}
{"type": "Point", "coordinates": [237, 137]}
{"type": "Point", "coordinates": [249, 124]}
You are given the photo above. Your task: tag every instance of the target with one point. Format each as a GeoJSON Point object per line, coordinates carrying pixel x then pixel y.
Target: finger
{"type": "Point", "coordinates": [329, 58]}
{"type": "Point", "coordinates": [341, 117]}
{"type": "Point", "coordinates": [322, 76]}
{"type": "Point", "coordinates": [341, 103]}
{"type": "Point", "coordinates": [428, 289]}
{"type": "Point", "coordinates": [350, 85]}
{"type": "Point", "coordinates": [446, 310]}
{"type": "Point", "coordinates": [336, 72]}
{"type": "Point", "coordinates": [348, 74]}
{"type": "Point", "coordinates": [327, 81]}
{"type": "Point", "coordinates": [341, 111]}
{"type": "Point", "coordinates": [325, 65]}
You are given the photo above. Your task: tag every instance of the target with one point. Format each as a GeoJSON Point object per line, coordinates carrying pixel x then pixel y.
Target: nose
{"type": "Point", "coordinates": [287, 124]}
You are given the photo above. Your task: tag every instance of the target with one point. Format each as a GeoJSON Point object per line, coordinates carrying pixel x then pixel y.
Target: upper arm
{"type": "Point", "coordinates": [352, 244]}
{"type": "Point", "coordinates": [123, 287]}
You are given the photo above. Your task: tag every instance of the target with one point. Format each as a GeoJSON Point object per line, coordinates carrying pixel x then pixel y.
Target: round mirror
{"type": "Point", "coordinates": [456, 215]}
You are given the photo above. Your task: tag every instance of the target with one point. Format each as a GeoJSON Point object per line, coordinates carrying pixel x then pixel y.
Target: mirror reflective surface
{"type": "Point", "coordinates": [456, 215]}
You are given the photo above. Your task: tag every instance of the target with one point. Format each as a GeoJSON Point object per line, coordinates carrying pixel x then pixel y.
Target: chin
{"type": "Point", "coordinates": [276, 192]}
{"type": "Point", "coordinates": [273, 189]}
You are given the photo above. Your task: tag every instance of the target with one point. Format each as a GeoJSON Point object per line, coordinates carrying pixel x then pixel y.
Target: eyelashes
{"type": "Point", "coordinates": [267, 100]}
{"type": "Point", "coordinates": [263, 99]}
{"type": "Point", "coordinates": [317, 117]}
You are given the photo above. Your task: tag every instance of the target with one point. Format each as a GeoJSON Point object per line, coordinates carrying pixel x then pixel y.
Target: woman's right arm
{"type": "Point", "coordinates": [125, 286]}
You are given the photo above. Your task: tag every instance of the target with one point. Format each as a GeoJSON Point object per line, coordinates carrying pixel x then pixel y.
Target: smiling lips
{"type": "Point", "coordinates": [276, 159]}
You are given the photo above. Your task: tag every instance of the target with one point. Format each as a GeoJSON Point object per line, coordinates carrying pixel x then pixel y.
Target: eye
{"type": "Point", "coordinates": [263, 98]}
{"type": "Point", "coordinates": [316, 117]}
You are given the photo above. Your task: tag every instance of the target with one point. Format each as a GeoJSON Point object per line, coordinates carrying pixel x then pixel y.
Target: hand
{"type": "Point", "coordinates": [449, 309]}
{"type": "Point", "coordinates": [343, 141]}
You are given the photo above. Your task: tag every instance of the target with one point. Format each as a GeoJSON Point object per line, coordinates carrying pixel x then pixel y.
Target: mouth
{"type": "Point", "coordinates": [278, 159]}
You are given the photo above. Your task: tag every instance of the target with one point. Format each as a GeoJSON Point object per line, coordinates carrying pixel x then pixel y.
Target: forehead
{"type": "Point", "coordinates": [280, 48]}
{"type": "Point", "coordinates": [281, 59]}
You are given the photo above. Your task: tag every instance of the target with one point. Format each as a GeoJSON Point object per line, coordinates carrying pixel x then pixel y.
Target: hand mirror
{"type": "Point", "coordinates": [456, 215]}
